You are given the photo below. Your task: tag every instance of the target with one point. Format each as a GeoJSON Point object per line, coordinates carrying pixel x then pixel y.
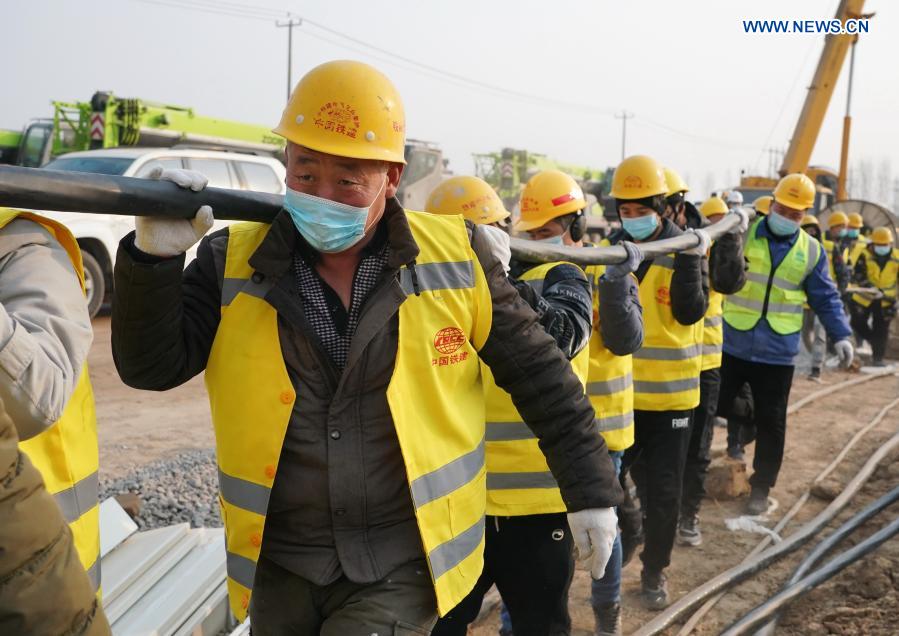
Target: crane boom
{"type": "Point", "coordinates": [819, 92]}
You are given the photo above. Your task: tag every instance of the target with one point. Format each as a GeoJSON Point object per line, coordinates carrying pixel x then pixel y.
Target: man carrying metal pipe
{"type": "Point", "coordinates": [673, 292]}
{"type": "Point", "coordinates": [341, 346]}
{"type": "Point", "coordinates": [762, 323]}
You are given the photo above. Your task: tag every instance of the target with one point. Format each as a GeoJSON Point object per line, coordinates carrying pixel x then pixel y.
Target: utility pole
{"type": "Point", "coordinates": [290, 24]}
{"type": "Point", "coordinates": [847, 124]}
{"type": "Point", "coordinates": [624, 116]}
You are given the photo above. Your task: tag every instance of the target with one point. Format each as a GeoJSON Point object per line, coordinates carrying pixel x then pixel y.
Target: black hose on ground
{"type": "Point", "coordinates": [764, 612]}
{"type": "Point", "coordinates": [828, 544]}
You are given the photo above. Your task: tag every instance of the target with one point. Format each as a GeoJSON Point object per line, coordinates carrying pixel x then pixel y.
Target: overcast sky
{"type": "Point", "coordinates": [707, 98]}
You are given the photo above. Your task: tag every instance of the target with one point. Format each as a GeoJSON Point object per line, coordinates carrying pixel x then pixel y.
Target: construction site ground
{"type": "Point", "coordinates": [137, 428]}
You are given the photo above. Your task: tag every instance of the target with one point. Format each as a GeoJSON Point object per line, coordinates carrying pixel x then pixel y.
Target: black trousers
{"type": "Point", "coordinates": [531, 561]}
{"type": "Point", "coordinates": [699, 448]}
{"type": "Point", "coordinates": [877, 332]}
{"type": "Point", "coordinates": [770, 384]}
{"type": "Point", "coordinates": [660, 446]}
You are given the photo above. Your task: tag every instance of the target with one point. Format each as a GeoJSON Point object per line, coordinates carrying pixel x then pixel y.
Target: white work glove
{"type": "Point", "coordinates": [704, 243]}
{"type": "Point", "coordinates": [171, 237]}
{"type": "Point", "coordinates": [499, 244]}
{"type": "Point", "coordinates": [627, 266]}
{"type": "Point", "coordinates": [594, 531]}
{"type": "Point", "coordinates": [744, 220]}
{"type": "Point", "coordinates": [845, 351]}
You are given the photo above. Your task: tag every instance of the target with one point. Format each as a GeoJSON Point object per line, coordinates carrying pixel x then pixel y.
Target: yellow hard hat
{"type": "Point", "coordinates": [638, 177]}
{"type": "Point", "coordinates": [882, 236]}
{"type": "Point", "coordinates": [763, 204]}
{"type": "Point", "coordinates": [795, 191]}
{"type": "Point", "coordinates": [713, 206]}
{"type": "Point", "coordinates": [836, 218]}
{"type": "Point", "coordinates": [855, 221]}
{"type": "Point", "coordinates": [808, 219]}
{"type": "Point", "coordinates": [547, 195]}
{"type": "Point", "coordinates": [346, 109]}
{"type": "Point", "coordinates": [675, 183]}
{"type": "Point", "coordinates": [471, 197]}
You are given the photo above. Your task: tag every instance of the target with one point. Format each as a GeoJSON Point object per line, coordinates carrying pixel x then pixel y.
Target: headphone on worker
{"type": "Point", "coordinates": [578, 227]}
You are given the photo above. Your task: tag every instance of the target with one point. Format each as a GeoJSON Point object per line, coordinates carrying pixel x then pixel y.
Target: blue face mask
{"type": "Point", "coordinates": [883, 250]}
{"type": "Point", "coordinates": [641, 227]}
{"type": "Point", "coordinates": [852, 233]}
{"type": "Point", "coordinates": [327, 225]}
{"type": "Point", "coordinates": [781, 225]}
{"type": "Point", "coordinates": [552, 240]}
{"type": "Point", "coordinates": [842, 233]}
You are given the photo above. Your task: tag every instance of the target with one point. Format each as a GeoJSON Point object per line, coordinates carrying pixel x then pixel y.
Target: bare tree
{"type": "Point", "coordinates": [884, 181]}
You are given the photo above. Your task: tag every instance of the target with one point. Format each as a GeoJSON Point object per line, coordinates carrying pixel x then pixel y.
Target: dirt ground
{"type": "Point", "coordinates": [137, 427]}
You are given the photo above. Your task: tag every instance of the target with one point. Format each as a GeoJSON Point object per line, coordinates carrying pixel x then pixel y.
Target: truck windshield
{"type": "Point", "coordinates": [99, 165]}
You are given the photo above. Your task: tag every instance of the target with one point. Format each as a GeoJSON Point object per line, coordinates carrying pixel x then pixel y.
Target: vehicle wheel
{"type": "Point", "coordinates": [94, 283]}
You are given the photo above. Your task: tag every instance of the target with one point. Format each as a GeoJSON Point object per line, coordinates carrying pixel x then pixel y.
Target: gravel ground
{"type": "Point", "coordinates": [181, 489]}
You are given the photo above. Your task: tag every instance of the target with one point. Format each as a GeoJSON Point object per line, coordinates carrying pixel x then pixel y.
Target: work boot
{"type": "Point", "coordinates": [878, 363]}
{"type": "Point", "coordinates": [815, 375]}
{"type": "Point", "coordinates": [758, 501]}
{"type": "Point", "coordinates": [654, 589]}
{"type": "Point", "coordinates": [736, 452]}
{"type": "Point", "coordinates": [688, 532]}
{"type": "Point", "coordinates": [608, 619]}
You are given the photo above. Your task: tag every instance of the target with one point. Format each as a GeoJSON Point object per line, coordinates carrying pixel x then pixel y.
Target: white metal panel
{"type": "Point", "coordinates": [210, 618]}
{"type": "Point", "coordinates": [178, 594]}
{"type": "Point", "coordinates": [115, 525]}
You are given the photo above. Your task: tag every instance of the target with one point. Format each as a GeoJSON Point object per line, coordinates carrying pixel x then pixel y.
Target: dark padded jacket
{"type": "Point", "coordinates": [354, 512]}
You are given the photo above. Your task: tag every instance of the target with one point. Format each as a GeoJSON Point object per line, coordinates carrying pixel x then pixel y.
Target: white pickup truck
{"type": "Point", "coordinates": [99, 234]}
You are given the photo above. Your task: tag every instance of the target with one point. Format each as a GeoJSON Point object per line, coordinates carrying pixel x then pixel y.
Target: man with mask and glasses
{"type": "Point", "coordinates": [340, 345]}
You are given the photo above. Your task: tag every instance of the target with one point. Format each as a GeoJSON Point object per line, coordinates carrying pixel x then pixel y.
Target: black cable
{"type": "Point", "coordinates": [763, 613]}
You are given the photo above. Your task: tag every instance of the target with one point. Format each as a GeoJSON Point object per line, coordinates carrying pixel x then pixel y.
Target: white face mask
{"type": "Point", "coordinates": [499, 244]}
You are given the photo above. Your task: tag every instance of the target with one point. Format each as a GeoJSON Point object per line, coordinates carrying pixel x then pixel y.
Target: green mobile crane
{"type": "Point", "coordinates": [107, 121]}
{"type": "Point", "coordinates": [509, 169]}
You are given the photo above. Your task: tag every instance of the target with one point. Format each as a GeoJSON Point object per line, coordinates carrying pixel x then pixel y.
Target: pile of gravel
{"type": "Point", "coordinates": [181, 489]}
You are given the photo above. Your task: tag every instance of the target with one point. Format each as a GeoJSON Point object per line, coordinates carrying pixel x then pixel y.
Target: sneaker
{"type": "Point", "coordinates": [608, 619]}
{"type": "Point", "coordinates": [688, 532]}
{"type": "Point", "coordinates": [815, 375]}
{"type": "Point", "coordinates": [758, 501]}
{"type": "Point", "coordinates": [736, 452]}
{"type": "Point", "coordinates": [878, 363]}
{"type": "Point", "coordinates": [654, 590]}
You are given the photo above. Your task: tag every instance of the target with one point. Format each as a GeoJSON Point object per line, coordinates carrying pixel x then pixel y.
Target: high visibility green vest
{"type": "Point", "coordinates": [774, 294]}
{"type": "Point", "coordinates": [519, 481]}
{"type": "Point", "coordinates": [67, 454]}
{"type": "Point", "coordinates": [435, 396]}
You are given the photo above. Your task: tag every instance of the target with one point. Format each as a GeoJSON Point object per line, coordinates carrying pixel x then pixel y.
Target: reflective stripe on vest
{"type": "Point", "coordinates": [775, 294]}
{"type": "Point", "coordinates": [67, 454]}
{"type": "Point", "coordinates": [610, 380]}
{"type": "Point", "coordinates": [442, 441]}
{"type": "Point", "coordinates": [713, 332]}
{"type": "Point", "coordinates": [884, 279]}
{"type": "Point", "coordinates": [667, 367]}
{"type": "Point", "coordinates": [519, 481]}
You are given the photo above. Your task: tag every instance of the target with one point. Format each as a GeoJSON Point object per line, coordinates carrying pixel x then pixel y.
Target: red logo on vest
{"type": "Point", "coordinates": [449, 340]}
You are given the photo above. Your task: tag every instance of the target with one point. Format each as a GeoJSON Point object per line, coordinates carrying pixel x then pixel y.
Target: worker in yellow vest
{"type": "Point", "coordinates": [835, 247]}
{"type": "Point", "coordinates": [341, 347]}
{"type": "Point", "coordinates": [528, 551]}
{"type": "Point", "coordinates": [877, 268]}
{"type": "Point", "coordinates": [47, 395]}
{"type": "Point", "coordinates": [855, 243]}
{"type": "Point", "coordinates": [726, 276]}
{"type": "Point", "coordinates": [673, 291]}
{"type": "Point", "coordinates": [762, 323]}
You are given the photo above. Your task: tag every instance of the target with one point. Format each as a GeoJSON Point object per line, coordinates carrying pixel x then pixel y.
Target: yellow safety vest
{"type": "Point", "coordinates": [857, 249]}
{"type": "Point", "coordinates": [667, 367]}
{"type": "Point", "coordinates": [883, 279]}
{"type": "Point", "coordinates": [610, 381]}
{"type": "Point", "coordinates": [713, 331]}
{"type": "Point", "coordinates": [829, 247]}
{"type": "Point", "coordinates": [435, 396]}
{"type": "Point", "coordinates": [518, 479]}
{"type": "Point", "coordinates": [67, 453]}
{"type": "Point", "coordinates": [775, 294]}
